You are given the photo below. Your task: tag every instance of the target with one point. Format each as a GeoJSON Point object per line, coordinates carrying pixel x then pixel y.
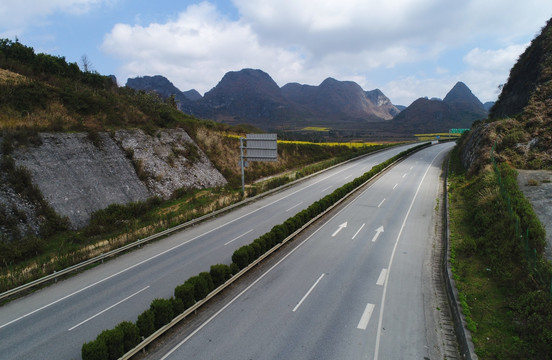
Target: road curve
{"type": "Point", "coordinates": [55, 321]}
{"type": "Point", "coordinates": [355, 289]}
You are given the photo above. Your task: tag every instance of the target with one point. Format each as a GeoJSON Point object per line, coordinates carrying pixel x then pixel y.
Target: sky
{"type": "Point", "coordinates": [406, 48]}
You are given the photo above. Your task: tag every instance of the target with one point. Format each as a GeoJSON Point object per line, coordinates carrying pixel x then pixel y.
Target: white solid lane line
{"type": "Point", "coordinates": [236, 238]}
{"type": "Point", "coordinates": [109, 308]}
{"type": "Point", "coordinates": [365, 318]}
{"type": "Point", "coordinates": [308, 293]}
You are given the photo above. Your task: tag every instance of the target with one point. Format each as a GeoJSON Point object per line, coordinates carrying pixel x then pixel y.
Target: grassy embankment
{"type": "Point", "coordinates": [497, 257]}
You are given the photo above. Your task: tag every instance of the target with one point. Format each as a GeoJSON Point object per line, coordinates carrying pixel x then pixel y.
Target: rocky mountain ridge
{"type": "Point", "coordinates": [458, 109]}
{"type": "Point", "coordinates": [251, 96]}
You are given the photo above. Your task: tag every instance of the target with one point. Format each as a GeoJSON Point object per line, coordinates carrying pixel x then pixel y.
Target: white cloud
{"type": "Point", "coordinates": [196, 49]}
{"type": "Point", "coordinates": [306, 41]}
{"type": "Point", "coordinates": [487, 69]}
{"type": "Point", "coordinates": [18, 15]}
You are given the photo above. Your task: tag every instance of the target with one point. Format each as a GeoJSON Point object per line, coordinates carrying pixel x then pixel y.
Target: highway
{"type": "Point", "coordinates": [354, 289]}
{"type": "Point", "coordinates": [54, 322]}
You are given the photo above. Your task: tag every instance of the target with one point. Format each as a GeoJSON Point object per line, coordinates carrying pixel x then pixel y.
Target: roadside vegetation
{"type": "Point", "coordinates": [504, 281]}
{"type": "Point", "coordinates": [44, 93]}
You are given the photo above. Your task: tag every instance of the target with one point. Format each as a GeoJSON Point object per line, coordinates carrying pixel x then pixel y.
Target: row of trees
{"type": "Point", "coordinates": [112, 344]}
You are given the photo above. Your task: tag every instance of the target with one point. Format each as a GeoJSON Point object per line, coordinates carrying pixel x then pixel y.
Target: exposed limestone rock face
{"type": "Point", "coordinates": [475, 151]}
{"type": "Point", "coordinates": [77, 177]}
{"type": "Point", "coordinates": [169, 161]}
{"type": "Point", "coordinates": [79, 174]}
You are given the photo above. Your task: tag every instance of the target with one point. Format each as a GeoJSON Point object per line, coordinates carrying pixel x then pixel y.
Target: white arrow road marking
{"type": "Point", "coordinates": [378, 232]}
{"type": "Point", "coordinates": [354, 236]}
{"type": "Point", "coordinates": [344, 225]}
{"type": "Point", "coordinates": [109, 308]}
{"type": "Point", "coordinates": [308, 293]}
{"type": "Point", "coordinates": [365, 318]}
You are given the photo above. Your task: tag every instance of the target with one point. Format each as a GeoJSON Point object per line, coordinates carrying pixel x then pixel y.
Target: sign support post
{"type": "Point", "coordinates": [260, 147]}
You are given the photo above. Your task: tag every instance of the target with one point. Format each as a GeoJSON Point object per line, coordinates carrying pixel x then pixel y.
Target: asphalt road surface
{"type": "Point", "coordinates": [354, 289]}
{"type": "Point", "coordinates": [54, 322]}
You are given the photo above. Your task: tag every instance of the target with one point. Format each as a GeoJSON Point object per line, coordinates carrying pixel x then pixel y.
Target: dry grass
{"type": "Point", "coordinates": [11, 77]}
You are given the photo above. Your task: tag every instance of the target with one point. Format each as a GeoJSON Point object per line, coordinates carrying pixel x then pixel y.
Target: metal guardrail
{"type": "Point", "coordinates": [234, 278]}
{"type": "Point", "coordinates": [139, 242]}
{"type": "Point", "coordinates": [463, 335]}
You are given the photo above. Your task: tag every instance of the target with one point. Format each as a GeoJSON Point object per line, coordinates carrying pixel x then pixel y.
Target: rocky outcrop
{"type": "Point", "coordinates": [78, 177]}
{"type": "Point", "coordinates": [80, 173]}
{"type": "Point", "coordinates": [169, 161]}
{"type": "Point", "coordinates": [475, 149]}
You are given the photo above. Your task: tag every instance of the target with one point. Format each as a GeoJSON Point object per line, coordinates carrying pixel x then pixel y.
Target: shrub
{"type": "Point", "coordinates": [185, 292]}
{"type": "Point", "coordinates": [114, 340]}
{"type": "Point", "coordinates": [146, 323]}
{"type": "Point", "coordinates": [240, 257]}
{"type": "Point", "coordinates": [234, 268]}
{"type": "Point", "coordinates": [209, 281]}
{"type": "Point", "coordinates": [94, 350]}
{"type": "Point", "coordinates": [534, 314]}
{"type": "Point", "coordinates": [131, 335]}
{"type": "Point", "coordinates": [220, 273]}
{"type": "Point", "coordinates": [177, 306]}
{"type": "Point", "coordinates": [162, 311]}
{"type": "Point", "coordinates": [201, 287]}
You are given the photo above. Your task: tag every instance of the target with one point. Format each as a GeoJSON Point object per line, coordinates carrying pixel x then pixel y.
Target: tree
{"type": "Point", "coordinates": [86, 64]}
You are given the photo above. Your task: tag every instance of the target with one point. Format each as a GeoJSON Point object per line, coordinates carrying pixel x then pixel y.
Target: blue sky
{"type": "Point", "coordinates": [406, 48]}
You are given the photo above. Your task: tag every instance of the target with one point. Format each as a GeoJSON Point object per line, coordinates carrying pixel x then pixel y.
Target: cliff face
{"type": "Point", "coordinates": [79, 174]}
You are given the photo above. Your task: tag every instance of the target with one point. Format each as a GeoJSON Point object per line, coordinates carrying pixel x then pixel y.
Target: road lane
{"type": "Point", "coordinates": [345, 314]}
{"type": "Point", "coordinates": [36, 326]}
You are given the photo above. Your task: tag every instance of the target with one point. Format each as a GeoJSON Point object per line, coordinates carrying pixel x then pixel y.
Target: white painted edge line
{"type": "Point", "coordinates": [236, 238]}
{"type": "Point", "coordinates": [365, 318]}
{"type": "Point", "coordinates": [294, 206]}
{"type": "Point", "coordinates": [354, 236]}
{"type": "Point", "coordinates": [380, 321]}
{"type": "Point", "coordinates": [382, 277]}
{"type": "Point", "coordinates": [109, 308]}
{"type": "Point", "coordinates": [381, 203]}
{"type": "Point", "coordinates": [308, 293]}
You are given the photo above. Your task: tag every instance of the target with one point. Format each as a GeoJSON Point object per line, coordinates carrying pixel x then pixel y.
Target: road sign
{"type": "Point", "coordinates": [259, 147]}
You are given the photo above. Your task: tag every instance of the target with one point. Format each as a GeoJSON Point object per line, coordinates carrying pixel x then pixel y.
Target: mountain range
{"type": "Point", "coordinates": [251, 96]}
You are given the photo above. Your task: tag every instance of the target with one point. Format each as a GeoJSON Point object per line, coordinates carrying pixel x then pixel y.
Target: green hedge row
{"type": "Point", "coordinates": [112, 344]}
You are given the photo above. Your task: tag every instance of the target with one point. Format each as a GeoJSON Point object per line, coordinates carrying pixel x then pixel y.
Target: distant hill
{"type": "Point", "coordinates": [459, 109]}
{"type": "Point", "coordinates": [251, 96]}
